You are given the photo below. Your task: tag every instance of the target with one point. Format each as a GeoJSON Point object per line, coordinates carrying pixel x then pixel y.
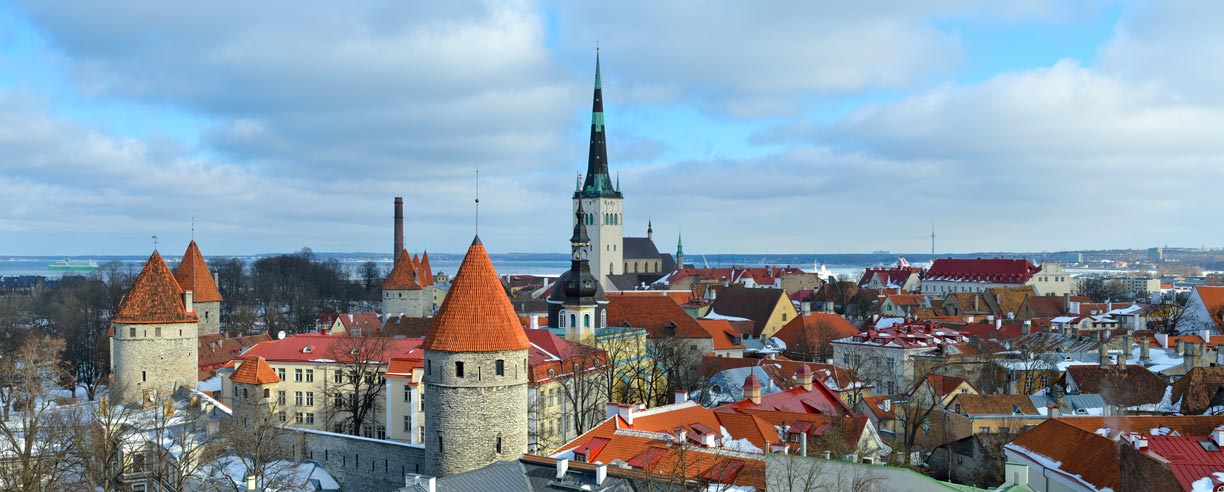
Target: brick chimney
{"type": "Point", "coordinates": [399, 227]}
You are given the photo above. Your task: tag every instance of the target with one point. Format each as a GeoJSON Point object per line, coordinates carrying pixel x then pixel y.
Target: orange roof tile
{"type": "Point", "coordinates": [425, 272]}
{"type": "Point", "coordinates": [155, 297]}
{"type": "Point", "coordinates": [476, 315]}
{"type": "Point", "coordinates": [254, 370]}
{"type": "Point", "coordinates": [403, 275]}
{"type": "Point", "coordinates": [192, 274]}
{"type": "Point", "coordinates": [1078, 452]}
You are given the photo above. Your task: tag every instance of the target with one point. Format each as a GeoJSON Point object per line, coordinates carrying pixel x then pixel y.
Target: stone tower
{"type": "Point", "coordinates": [408, 288]}
{"type": "Point", "coordinates": [601, 201]}
{"type": "Point", "coordinates": [475, 374]}
{"type": "Point", "coordinates": [154, 342]}
{"type": "Point", "coordinates": [193, 275]}
{"type": "Point", "coordinates": [577, 302]}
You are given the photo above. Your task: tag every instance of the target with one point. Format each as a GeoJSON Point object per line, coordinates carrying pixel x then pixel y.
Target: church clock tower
{"type": "Point", "coordinates": [577, 302]}
{"type": "Point", "coordinates": [600, 200]}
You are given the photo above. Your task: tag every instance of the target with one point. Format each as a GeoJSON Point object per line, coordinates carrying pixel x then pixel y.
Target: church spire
{"type": "Point", "coordinates": [598, 183]}
{"type": "Point", "coordinates": [679, 250]}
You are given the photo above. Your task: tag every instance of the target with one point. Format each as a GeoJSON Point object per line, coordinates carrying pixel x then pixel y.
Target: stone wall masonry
{"type": "Point", "coordinates": [210, 317]}
{"type": "Point", "coordinates": [469, 414]}
{"type": "Point", "coordinates": [359, 463]}
{"type": "Point", "coordinates": [150, 359]}
{"type": "Point", "coordinates": [415, 303]}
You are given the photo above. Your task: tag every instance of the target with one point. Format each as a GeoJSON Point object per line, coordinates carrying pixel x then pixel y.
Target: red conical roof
{"type": "Point", "coordinates": [476, 315]}
{"type": "Point", "coordinates": [192, 274]}
{"type": "Point", "coordinates": [155, 297]}
{"type": "Point", "coordinates": [403, 274]}
{"type": "Point", "coordinates": [425, 273]}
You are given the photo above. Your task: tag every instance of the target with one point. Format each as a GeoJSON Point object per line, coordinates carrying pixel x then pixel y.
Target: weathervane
{"type": "Point", "coordinates": [155, 242]}
{"type": "Point", "coordinates": [477, 200]}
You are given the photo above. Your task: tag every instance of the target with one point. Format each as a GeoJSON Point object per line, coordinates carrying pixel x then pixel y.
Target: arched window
{"type": "Point", "coordinates": [562, 320]}
{"type": "Point", "coordinates": [603, 319]}
{"type": "Point", "coordinates": [610, 269]}
{"type": "Point", "coordinates": [574, 320]}
{"type": "Point", "coordinates": [586, 321]}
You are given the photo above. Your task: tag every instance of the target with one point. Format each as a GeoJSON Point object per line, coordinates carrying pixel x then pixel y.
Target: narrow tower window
{"type": "Point", "coordinates": [500, 367]}
{"type": "Point", "coordinates": [458, 369]}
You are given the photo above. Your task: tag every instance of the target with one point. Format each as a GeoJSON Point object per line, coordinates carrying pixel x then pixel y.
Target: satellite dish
{"type": "Point", "coordinates": [280, 335]}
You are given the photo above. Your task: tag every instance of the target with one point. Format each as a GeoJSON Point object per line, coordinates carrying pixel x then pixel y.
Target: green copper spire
{"type": "Point", "coordinates": [598, 183]}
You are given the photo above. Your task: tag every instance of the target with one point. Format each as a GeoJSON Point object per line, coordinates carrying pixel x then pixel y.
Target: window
{"type": "Point", "coordinates": [562, 320]}
{"type": "Point", "coordinates": [458, 369]}
{"type": "Point", "coordinates": [441, 448]}
{"type": "Point", "coordinates": [310, 418]}
{"type": "Point", "coordinates": [498, 444]}
{"type": "Point", "coordinates": [280, 397]}
{"type": "Point", "coordinates": [603, 319]}
{"type": "Point", "coordinates": [299, 417]}
{"type": "Point", "coordinates": [783, 316]}
{"type": "Point", "coordinates": [983, 430]}
{"type": "Point", "coordinates": [310, 398]}
{"type": "Point", "coordinates": [132, 332]}
{"type": "Point", "coordinates": [280, 373]}
{"type": "Point", "coordinates": [267, 392]}
{"type": "Point", "coordinates": [144, 376]}
{"type": "Point", "coordinates": [499, 367]}
{"type": "Point", "coordinates": [157, 331]}
{"type": "Point", "coordinates": [407, 394]}
{"type": "Point", "coordinates": [407, 423]}
{"type": "Point", "coordinates": [310, 375]}
{"type": "Point", "coordinates": [421, 434]}
{"type": "Point", "coordinates": [382, 431]}
{"type": "Point", "coordinates": [282, 417]}
{"type": "Point", "coordinates": [428, 367]}
{"type": "Point", "coordinates": [573, 320]}
{"type": "Point", "coordinates": [338, 377]}
{"type": "Point", "coordinates": [297, 398]}
{"type": "Point", "coordinates": [586, 321]}
{"type": "Point", "coordinates": [297, 375]}
{"type": "Point", "coordinates": [244, 394]}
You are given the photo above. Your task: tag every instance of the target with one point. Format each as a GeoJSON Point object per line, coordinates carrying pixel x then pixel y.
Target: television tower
{"type": "Point", "coordinates": [932, 240]}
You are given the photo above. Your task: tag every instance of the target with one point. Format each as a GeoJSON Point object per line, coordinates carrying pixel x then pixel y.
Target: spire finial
{"type": "Point", "coordinates": [155, 242]}
{"type": "Point", "coordinates": [193, 228]}
{"type": "Point", "coordinates": [477, 201]}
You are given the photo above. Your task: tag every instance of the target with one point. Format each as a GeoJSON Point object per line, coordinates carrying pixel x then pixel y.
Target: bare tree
{"type": "Point", "coordinates": [177, 442]}
{"type": "Point", "coordinates": [354, 397]}
{"type": "Point", "coordinates": [35, 437]}
{"type": "Point", "coordinates": [100, 439]}
{"type": "Point", "coordinates": [582, 392]}
{"type": "Point", "coordinates": [260, 445]}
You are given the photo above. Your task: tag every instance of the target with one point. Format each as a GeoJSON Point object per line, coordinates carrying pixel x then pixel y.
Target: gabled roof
{"type": "Point", "coordinates": [1135, 385]}
{"type": "Point", "coordinates": [1197, 389]}
{"type": "Point", "coordinates": [254, 370]}
{"type": "Point", "coordinates": [942, 385]}
{"type": "Point", "coordinates": [1186, 425]}
{"type": "Point", "coordinates": [1008, 300]}
{"type": "Point", "coordinates": [476, 315]}
{"type": "Point", "coordinates": [192, 274]}
{"type": "Point", "coordinates": [215, 350]}
{"type": "Point", "coordinates": [326, 348]}
{"type": "Point", "coordinates": [639, 248]}
{"type": "Point", "coordinates": [1072, 450]}
{"type": "Point", "coordinates": [403, 275]}
{"type": "Point", "coordinates": [155, 297]}
{"type": "Point", "coordinates": [655, 314]}
{"type": "Point", "coordinates": [406, 326]}
{"type": "Point", "coordinates": [820, 400]}
{"type": "Point", "coordinates": [999, 270]}
{"type": "Point", "coordinates": [756, 304]}
{"type": "Point", "coordinates": [993, 404]}
{"type": "Point", "coordinates": [815, 329]}
{"type": "Point", "coordinates": [724, 335]}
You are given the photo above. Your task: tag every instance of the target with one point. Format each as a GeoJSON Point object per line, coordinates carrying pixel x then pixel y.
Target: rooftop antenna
{"type": "Point", "coordinates": [155, 242]}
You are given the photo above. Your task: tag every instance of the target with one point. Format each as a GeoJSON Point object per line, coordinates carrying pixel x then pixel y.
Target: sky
{"type": "Point", "coordinates": [750, 127]}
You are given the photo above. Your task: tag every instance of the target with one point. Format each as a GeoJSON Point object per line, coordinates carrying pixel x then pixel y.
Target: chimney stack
{"type": "Point", "coordinates": [1103, 352]}
{"type": "Point", "coordinates": [189, 301]}
{"type": "Point", "coordinates": [399, 228]}
{"type": "Point", "coordinates": [1027, 327]}
{"type": "Point", "coordinates": [1144, 352]}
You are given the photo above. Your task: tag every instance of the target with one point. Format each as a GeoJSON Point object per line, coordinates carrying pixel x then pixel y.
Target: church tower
{"type": "Point", "coordinates": [679, 251]}
{"type": "Point", "coordinates": [193, 275]}
{"type": "Point", "coordinates": [601, 201]}
{"type": "Point", "coordinates": [154, 345]}
{"type": "Point", "coordinates": [577, 302]}
{"type": "Point", "coordinates": [475, 374]}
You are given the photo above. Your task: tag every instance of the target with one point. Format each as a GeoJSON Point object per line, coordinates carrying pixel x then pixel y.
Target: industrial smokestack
{"type": "Point", "coordinates": [399, 227]}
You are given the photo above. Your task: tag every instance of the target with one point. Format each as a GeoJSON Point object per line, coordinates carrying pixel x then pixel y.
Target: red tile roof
{"type": "Point", "coordinates": [655, 314]}
{"type": "Point", "coordinates": [155, 297]}
{"type": "Point", "coordinates": [1078, 452]}
{"type": "Point", "coordinates": [476, 315]}
{"type": "Point", "coordinates": [325, 348]}
{"type": "Point", "coordinates": [1002, 271]}
{"type": "Point", "coordinates": [909, 336]}
{"type": "Point", "coordinates": [215, 350]}
{"type": "Point", "coordinates": [192, 274]}
{"type": "Point", "coordinates": [820, 400]}
{"type": "Point", "coordinates": [813, 333]}
{"type": "Point", "coordinates": [724, 334]}
{"type": "Point", "coordinates": [254, 370]}
{"type": "Point", "coordinates": [403, 275]}
{"type": "Point", "coordinates": [425, 272]}
{"type": "Point", "coordinates": [681, 297]}
{"type": "Point", "coordinates": [1191, 425]}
